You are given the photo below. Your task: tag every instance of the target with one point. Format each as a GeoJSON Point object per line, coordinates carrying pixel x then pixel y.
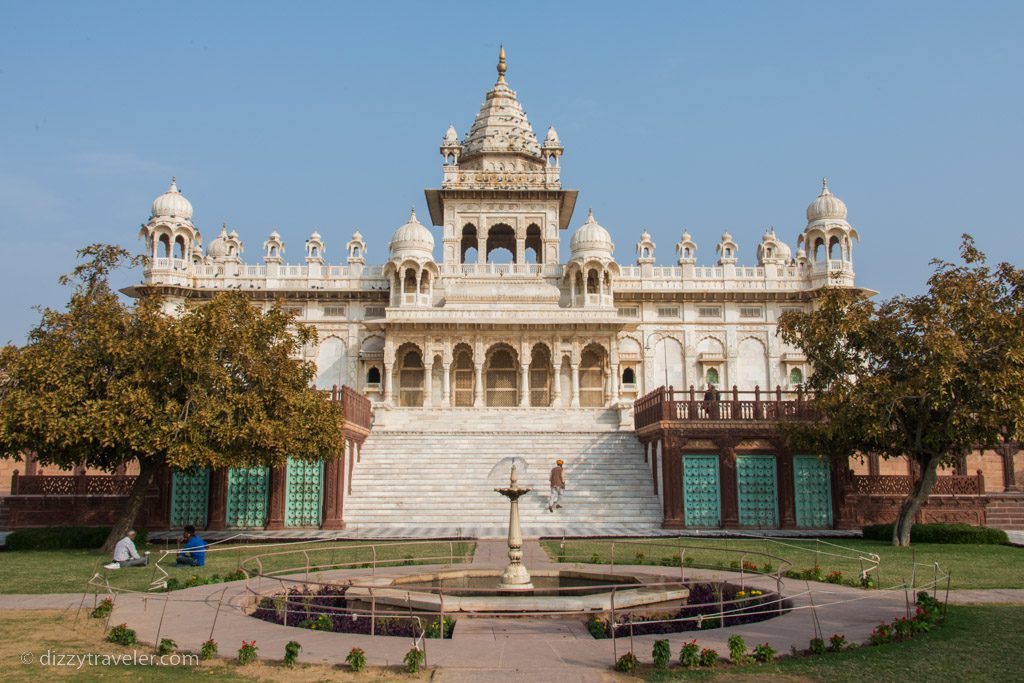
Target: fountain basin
{"type": "Point", "coordinates": [476, 590]}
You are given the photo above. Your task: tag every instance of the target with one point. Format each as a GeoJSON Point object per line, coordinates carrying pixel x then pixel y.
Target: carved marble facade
{"type": "Point", "coordinates": [497, 316]}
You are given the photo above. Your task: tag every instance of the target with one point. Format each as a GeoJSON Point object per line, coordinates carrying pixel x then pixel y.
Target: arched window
{"type": "Point", "coordinates": [410, 380]}
{"type": "Point", "coordinates": [468, 244]}
{"type": "Point", "coordinates": [314, 252]}
{"type": "Point", "coordinates": [373, 375]}
{"type": "Point", "coordinates": [179, 247]}
{"type": "Point", "coordinates": [796, 376]}
{"type": "Point", "coordinates": [728, 252]}
{"type": "Point", "coordinates": [712, 376]}
{"type": "Point", "coordinates": [533, 245]}
{"type": "Point", "coordinates": [165, 243]}
{"type": "Point", "coordinates": [501, 239]}
{"type": "Point", "coordinates": [686, 252]}
{"type": "Point", "coordinates": [834, 249]}
{"type": "Point", "coordinates": [629, 376]}
{"type": "Point", "coordinates": [273, 251]}
{"type": "Point", "coordinates": [592, 282]}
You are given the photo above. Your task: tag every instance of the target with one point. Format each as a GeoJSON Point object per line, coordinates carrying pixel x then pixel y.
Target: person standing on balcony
{"type": "Point", "coordinates": [557, 481]}
{"type": "Point", "coordinates": [711, 399]}
{"type": "Point", "coordinates": [126, 555]}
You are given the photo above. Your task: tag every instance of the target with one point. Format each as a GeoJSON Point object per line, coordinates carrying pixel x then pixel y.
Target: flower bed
{"type": "Point", "coordinates": [707, 601]}
{"type": "Point", "coordinates": [325, 608]}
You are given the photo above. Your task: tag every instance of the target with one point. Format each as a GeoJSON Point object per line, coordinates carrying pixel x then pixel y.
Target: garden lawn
{"type": "Point", "coordinates": [970, 566]}
{"type": "Point", "coordinates": [977, 643]}
{"type": "Point", "coordinates": [68, 571]}
{"type": "Point", "coordinates": [36, 632]}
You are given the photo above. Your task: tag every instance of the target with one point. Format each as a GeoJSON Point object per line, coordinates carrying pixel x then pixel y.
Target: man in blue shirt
{"type": "Point", "coordinates": [193, 553]}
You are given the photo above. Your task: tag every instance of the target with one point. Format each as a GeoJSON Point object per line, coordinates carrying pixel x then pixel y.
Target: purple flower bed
{"type": "Point", "coordinates": [703, 601]}
{"type": "Point", "coordinates": [323, 609]}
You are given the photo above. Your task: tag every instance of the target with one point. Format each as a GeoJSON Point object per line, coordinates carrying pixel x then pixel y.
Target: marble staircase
{"type": "Point", "coordinates": [433, 479]}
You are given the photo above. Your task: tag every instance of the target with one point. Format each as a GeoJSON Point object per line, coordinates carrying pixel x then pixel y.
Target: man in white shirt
{"type": "Point", "coordinates": [126, 555]}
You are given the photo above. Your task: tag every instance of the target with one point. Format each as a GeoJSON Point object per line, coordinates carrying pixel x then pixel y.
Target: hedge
{"type": "Point", "coordinates": [941, 533]}
{"type": "Point", "coordinates": [63, 538]}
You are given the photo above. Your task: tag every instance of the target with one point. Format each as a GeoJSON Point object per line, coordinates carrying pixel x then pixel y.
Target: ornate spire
{"type": "Point", "coordinates": [174, 184]}
{"type": "Point", "coordinates": [824, 186]}
{"type": "Point", "coordinates": [502, 66]}
{"type": "Point", "coordinates": [412, 215]}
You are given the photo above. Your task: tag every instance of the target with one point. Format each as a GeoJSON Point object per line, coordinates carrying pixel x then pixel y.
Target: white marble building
{"type": "Point", "coordinates": [496, 315]}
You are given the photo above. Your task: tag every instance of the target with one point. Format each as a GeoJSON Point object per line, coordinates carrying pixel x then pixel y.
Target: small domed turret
{"type": "Point", "coordinates": [591, 240]}
{"type": "Point", "coordinates": [412, 239]}
{"type": "Point", "coordinates": [826, 205]}
{"type": "Point", "coordinates": [172, 204]}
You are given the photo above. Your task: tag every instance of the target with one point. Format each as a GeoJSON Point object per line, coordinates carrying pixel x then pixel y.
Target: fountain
{"type": "Point", "coordinates": [515, 577]}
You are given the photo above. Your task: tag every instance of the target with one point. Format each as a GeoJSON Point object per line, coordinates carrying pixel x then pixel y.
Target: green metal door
{"type": "Point", "coordinates": [758, 496]}
{"type": "Point", "coordinates": [190, 493]}
{"type": "Point", "coordinates": [247, 497]}
{"type": "Point", "coordinates": [701, 496]}
{"type": "Point", "coordinates": [304, 493]}
{"type": "Point", "coordinates": [812, 488]}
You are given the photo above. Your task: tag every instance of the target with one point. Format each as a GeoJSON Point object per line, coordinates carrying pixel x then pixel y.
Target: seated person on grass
{"type": "Point", "coordinates": [193, 553]}
{"type": "Point", "coordinates": [126, 555]}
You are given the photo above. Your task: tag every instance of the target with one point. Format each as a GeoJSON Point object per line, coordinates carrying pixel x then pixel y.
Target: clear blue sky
{"type": "Point", "coordinates": [327, 116]}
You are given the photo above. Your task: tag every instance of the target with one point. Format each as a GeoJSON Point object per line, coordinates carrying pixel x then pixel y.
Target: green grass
{"type": "Point", "coordinates": [977, 643]}
{"type": "Point", "coordinates": [35, 632]}
{"type": "Point", "coordinates": [67, 571]}
{"type": "Point", "coordinates": [970, 566]}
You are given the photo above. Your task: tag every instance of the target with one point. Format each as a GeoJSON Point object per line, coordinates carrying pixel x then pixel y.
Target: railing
{"type": "Point", "coordinates": [902, 485]}
{"type": "Point", "coordinates": [355, 406]}
{"type": "Point", "coordinates": [71, 485]}
{"type": "Point", "coordinates": [669, 404]}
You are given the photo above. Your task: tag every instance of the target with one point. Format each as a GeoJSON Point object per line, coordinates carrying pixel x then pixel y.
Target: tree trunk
{"type": "Point", "coordinates": [922, 489]}
{"type": "Point", "coordinates": [136, 497]}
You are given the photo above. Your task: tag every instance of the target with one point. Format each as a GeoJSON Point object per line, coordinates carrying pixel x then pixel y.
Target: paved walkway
{"type": "Point", "coordinates": [527, 648]}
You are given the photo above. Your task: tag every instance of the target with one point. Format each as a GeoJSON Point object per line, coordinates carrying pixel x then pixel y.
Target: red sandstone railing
{"type": "Point", "coordinates": [902, 485]}
{"type": "Point", "coordinates": [672, 405]}
{"type": "Point", "coordinates": [356, 407]}
{"type": "Point", "coordinates": [71, 485]}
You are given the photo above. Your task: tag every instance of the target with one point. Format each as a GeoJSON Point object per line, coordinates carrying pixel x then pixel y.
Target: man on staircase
{"type": "Point", "coordinates": [557, 481]}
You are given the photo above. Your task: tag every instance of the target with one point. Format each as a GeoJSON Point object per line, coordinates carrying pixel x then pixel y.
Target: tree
{"type": "Point", "coordinates": [930, 377]}
{"type": "Point", "coordinates": [216, 384]}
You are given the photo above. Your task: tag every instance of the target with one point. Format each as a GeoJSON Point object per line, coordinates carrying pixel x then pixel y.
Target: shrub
{"type": "Point", "coordinates": [834, 577]}
{"type": "Point", "coordinates": [208, 649]}
{"type": "Point", "coordinates": [595, 559]}
{"type": "Point", "coordinates": [414, 659]}
{"type": "Point", "coordinates": [708, 657]}
{"type": "Point", "coordinates": [765, 653]}
{"type": "Point", "coordinates": [749, 566]}
{"type": "Point", "coordinates": [661, 653]}
{"type": "Point", "coordinates": [689, 654]}
{"type": "Point", "coordinates": [434, 629]}
{"type": "Point", "coordinates": [867, 581]}
{"type": "Point", "coordinates": [166, 647]}
{"type": "Point", "coordinates": [247, 653]}
{"type": "Point", "coordinates": [767, 567]}
{"type": "Point", "coordinates": [941, 533]}
{"type": "Point", "coordinates": [837, 643]}
{"type": "Point", "coordinates": [356, 659]}
{"type": "Point", "coordinates": [597, 627]}
{"type": "Point", "coordinates": [122, 635]}
{"type": "Point", "coordinates": [102, 610]}
{"type": "Point", "coordinates": [817, 646]}
{"type": "Point", "coordinates": [323, 622]}
{"type": "Point", "coordinates": [881, 634]}
{"type": "Point", "coordinates": [627, 663]}
{"type": "Point", "coordinates": [291, 652]}
{"type": "Point", "coordinates": [737, 649]}
{"type": "Point", "coordinates": [814, 574]}
{"type": "Point", "coordinates": [64, 538]}
{"type": "Point", "coordinates": [734, 564]}
{"type": "Point", "coordinates": [237, 575]}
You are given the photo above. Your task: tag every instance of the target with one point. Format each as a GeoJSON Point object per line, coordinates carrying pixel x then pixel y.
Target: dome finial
{"type": "Point", "coordinates": [174, 184]}
{"type": "Point", "coordinates": [824, 186]}
{"type": "Point", "coordinates": [412, 215]}
{"type": "Point", "coordinates": [590, 215]}
{"type": "Point", "coordinates": [502, 66]}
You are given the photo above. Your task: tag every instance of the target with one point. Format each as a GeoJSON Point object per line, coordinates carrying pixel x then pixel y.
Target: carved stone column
{"type": "Point", "coordinates": [524, 386]}
{"type": "Point", "coordinates": [575, 386]}
{"type": "Point", "coordinates": [334, 494]}
{"type": "Point", "coordinates": [556, 385]}
{"type": "Point", "coordinates": [1008, 450]}
{"type": "Point", "coordinates": [478, 385]}
{"type": "Point", "coordinates": [388, 382]}
{"type": "Point", "coordinates": [615, 384]}
{"type": "Point", "coordinates": [275, 512]}
{"type": "Point", "coordinates": [672, 480]}
{"type": "Point", "coordinates": [446, 385]}
{"type": "Point", "coordinates": [217, 511]}
{"type": "Point", "coordinates": [729, 483]}
{"type": "Point", "coordinates": [428, 385]}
